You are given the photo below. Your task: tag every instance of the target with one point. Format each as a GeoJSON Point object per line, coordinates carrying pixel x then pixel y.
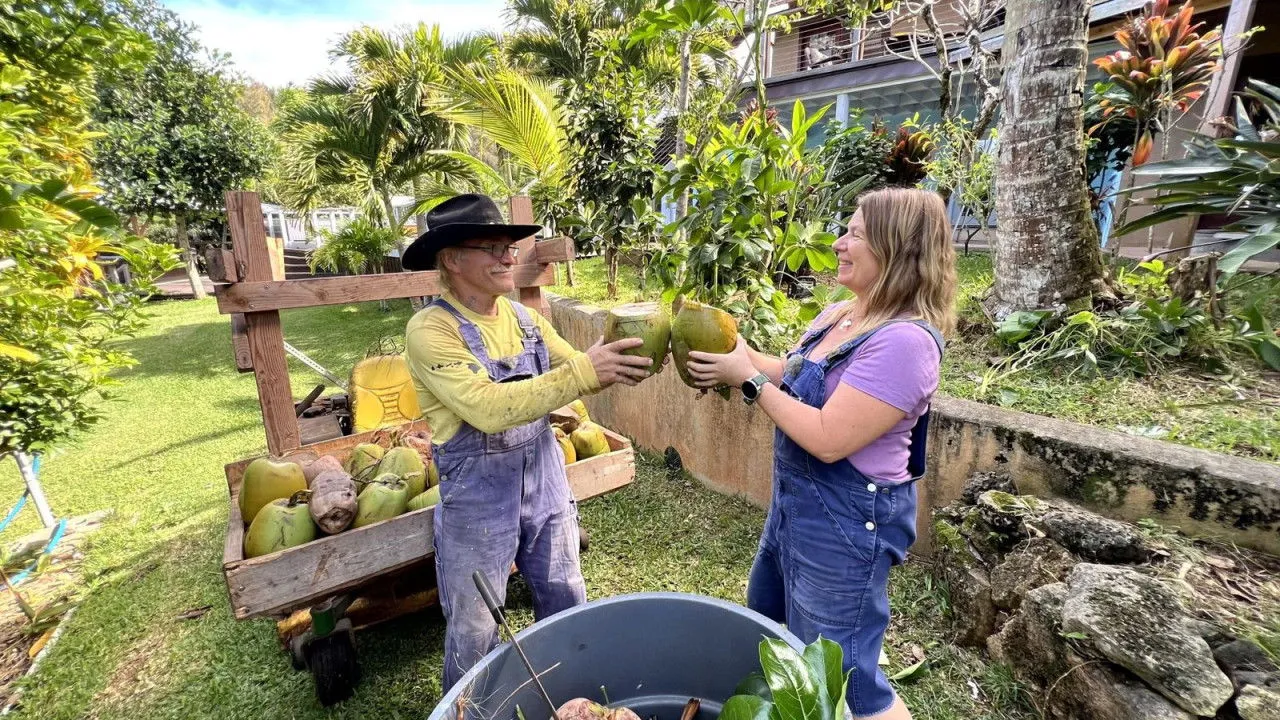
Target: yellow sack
{"type": "Point", "coordinates": [382, 393]}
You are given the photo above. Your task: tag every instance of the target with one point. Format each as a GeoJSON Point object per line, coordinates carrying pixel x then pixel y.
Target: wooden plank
{"type": "Point", "coordinates": [318, 429]}
{"type": "Point", "coordinates": [311, 292]}
{"type": "Point", "coordinates": [292, 579]}
{"type": "Point", "coordinates": [555, 250]}
{"type": "Point", "coordinates": [240, 343]}
{"type": "Point", "coordinates": [285, 581]}
{"type": "Point", "coordinates": [233, 549]}
{"type": "Point", "coordinates": [221, 265]}
{"type": "Point", "coordinates": [520, 208]}
{"type": "Point", "coordinates": [1218, 100]}
{"type": "Point", "coordinates": [266, 339]}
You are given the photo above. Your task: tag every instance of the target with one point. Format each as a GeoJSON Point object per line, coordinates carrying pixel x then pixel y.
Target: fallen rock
{"type": "Point", "coordinates": [1031, 641]}
{"type": "Point", "coordinates": [1242, 656]}
{"type": "Point", "coordinates": [1095, 538]}
{"type": "Point", "coordinates": [1258, 703]}
{"type": "Point", "coordinates": [1137, 623]}
{"type": "Point", "coordinates": [981, 482]}
{"type": "Point", "coordinates": [1039, 562]}
{"type": "Point", "coordinates": [1072, 687]}
{"type": "Point", "coordinates": [1007, 515]}
{"type": "Point", "coordinates": [973, 615]}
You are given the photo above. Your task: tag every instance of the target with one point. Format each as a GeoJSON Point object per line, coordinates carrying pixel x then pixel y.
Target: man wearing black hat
{"type": "Point", "coordinates": [488, 371]}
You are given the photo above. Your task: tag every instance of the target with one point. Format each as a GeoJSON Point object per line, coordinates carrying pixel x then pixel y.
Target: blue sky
{"type": "Point", "coordinates": [282, 41]}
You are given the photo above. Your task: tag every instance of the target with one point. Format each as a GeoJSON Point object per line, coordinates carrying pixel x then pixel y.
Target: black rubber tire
{"type": "Point", "coordinates": [334, 667]}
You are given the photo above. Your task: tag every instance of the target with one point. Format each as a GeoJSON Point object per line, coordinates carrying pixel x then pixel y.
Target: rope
{"type": "Point", "coordinates": [58, 530]}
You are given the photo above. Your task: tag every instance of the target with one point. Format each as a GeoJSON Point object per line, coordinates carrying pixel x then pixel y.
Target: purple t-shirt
{"type": "Point", "coordinates": [897, 365]}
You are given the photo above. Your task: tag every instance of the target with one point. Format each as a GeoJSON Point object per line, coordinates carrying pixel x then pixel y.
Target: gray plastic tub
{"type": "Point", "coordinates": [650, 652]}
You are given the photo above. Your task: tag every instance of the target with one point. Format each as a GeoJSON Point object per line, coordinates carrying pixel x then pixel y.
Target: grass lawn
{"type": "Point", "coordinates": [157, 458]}
{"type": "Point", "coordinates": [1182, 407]}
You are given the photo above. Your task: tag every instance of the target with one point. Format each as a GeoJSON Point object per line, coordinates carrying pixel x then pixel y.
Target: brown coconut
{"type": "Point", "coordinates": [333, 501]}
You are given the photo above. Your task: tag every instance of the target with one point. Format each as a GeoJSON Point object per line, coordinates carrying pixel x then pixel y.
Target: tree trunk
{"type": "Point", "coordinates": [390, 209]}
{"type": "Point", "coordinates": [568, 273]}
{"type": "Point", "coordinates": [1046, 249]}
{"type": "Point", "coordinates": [762, 16]}
{"type": "Point", "coordinates": [682, 108]}
{"type": "Point", "coordinates": [419, 190]}
{"type": "Point", "coordinates": [188, 256]}
{"type": "Point", "coordinates": [611, 261]}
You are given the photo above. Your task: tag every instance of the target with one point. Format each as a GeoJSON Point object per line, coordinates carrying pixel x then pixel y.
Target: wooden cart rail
{"type": "Point", "coordinates": [291, 579]}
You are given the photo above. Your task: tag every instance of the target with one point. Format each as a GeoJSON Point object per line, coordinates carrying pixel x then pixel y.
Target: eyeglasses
{"type": "Point", "coordinates": [498, 251]}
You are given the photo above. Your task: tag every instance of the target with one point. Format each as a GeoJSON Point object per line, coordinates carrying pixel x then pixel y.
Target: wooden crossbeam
{"type": "Point", "coordinates": [250, 297]}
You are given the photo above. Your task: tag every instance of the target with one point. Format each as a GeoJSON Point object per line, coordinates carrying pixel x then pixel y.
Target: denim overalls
{"type": "Point", "coordinates": [831, 536]}
{"type": "Point", "coordinates": [503, 497]}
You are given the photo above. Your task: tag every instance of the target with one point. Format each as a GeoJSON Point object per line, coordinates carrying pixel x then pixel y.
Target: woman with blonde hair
{"type": "Point", "coordinates": [851, 406]}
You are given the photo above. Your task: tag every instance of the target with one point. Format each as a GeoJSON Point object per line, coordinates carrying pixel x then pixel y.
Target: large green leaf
{"type": "Point", "coordinates": [825, 659]}
{"type": "Point", "coordinates": [795, 690]}
{"type": "Point", "coordinates": [745, 707]}
{"type": "Point", "coordinates": [1237, 256]}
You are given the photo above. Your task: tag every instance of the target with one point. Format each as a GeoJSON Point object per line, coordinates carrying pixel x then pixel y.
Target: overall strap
{"type": "Point", "coordinates": [531, 337]}
{"type": "Point", "coordinates": [470, 333]}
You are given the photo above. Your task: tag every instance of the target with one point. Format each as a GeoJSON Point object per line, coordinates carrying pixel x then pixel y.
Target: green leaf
{"type": "Point", "coordinates": [1269, 351]}
{"type": "Point", "coordinates": [754, 684]}
{"type": "Point", "coordinates": [795, 693]}
{"type": "Point", "coordinates": [825, 659]}
{"type": "Point", "coordinates": [909, 672]}
{"type": "Point", "coordinates": [1241, 253]}
{"type": "Point", "coordinates": [746, 707]}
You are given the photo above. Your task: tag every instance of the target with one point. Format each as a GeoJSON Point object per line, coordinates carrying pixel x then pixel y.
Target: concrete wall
{"type": "Point", "coordinates": [727, 445]}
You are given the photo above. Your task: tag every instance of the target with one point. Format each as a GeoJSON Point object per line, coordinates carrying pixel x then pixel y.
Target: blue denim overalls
{"type": "Point", "coordinates": [831, 536]}
{"type": "Point", "coordinates": [503, 497]}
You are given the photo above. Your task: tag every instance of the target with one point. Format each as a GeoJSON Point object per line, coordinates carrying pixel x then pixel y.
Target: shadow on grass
{"type": "Point", "coordinates": [189, 444]}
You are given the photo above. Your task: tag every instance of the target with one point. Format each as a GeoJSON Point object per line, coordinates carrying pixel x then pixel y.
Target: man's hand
{"type": "Point", "coordinates": [614, 367]}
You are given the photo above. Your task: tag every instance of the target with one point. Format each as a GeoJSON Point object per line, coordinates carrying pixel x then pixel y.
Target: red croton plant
{"type": "Point", "coordinates": [1164, 64]}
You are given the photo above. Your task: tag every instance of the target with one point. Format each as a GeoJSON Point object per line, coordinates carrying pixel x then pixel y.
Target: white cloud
{"type": "Point", "coordinates": [277, 49]}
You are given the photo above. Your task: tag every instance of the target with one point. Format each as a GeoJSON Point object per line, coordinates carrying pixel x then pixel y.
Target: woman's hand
{"type": "Point", "coordinates": [710, 370]}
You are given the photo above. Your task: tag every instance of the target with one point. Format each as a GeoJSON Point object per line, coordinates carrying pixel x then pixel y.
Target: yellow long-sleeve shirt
{"type": "Point", "coordinates": [453, 387]}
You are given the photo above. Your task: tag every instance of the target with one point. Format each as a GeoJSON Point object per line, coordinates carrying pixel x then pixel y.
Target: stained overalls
{"type": "Point", "coordinates": [831, 535]}
{"type": "Point", "coordinates": [503, 497]}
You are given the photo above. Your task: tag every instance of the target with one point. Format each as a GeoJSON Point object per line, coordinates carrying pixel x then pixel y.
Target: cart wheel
{"type": "Point", "coordinates": [333, 664]}
{"type": "Point", "coordinates": [298, 651]}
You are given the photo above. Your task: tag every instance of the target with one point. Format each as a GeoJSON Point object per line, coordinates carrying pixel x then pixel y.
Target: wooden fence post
{"type": "Point", "coordinates": [521, 208]}
{"type": "Point", "coordinates": [262, 329]}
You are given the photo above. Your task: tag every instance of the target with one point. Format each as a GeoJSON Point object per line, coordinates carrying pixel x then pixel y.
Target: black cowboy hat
{"type": "Point", "coordinates": [460, 218]}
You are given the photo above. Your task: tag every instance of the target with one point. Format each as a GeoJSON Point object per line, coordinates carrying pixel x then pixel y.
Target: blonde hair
{"type": "Point", "coordinates": [908, 233]}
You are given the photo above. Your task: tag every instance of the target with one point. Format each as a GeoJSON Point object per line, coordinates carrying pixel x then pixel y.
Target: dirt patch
{"type": "Point", "coordinates": [50, 584]}
{"type": "Point", "coordinates": [137, 674]}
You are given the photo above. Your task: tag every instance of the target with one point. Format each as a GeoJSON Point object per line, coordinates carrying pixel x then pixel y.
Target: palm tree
{"type": "Point", "coordinates": [562, 39]}
{"type": "Point", "coordinates": [380, 126]}
{"type": "Point", "coordinates": [359, 247]}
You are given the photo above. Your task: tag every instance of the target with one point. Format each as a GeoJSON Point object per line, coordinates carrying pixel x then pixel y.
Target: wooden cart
{"type": "Point", "coordinates": [325, 589]}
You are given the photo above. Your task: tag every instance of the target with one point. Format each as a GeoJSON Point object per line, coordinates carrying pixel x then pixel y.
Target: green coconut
{"type": "Point", "coordinates": [566, 446]}
{"type": "Point", "coordinates": [382, 499]}
{"type": "Point", "coordinates": [406, 463]}
{"type": "Point", "coordinates": [702, 328]}
{"type": "Point", "coordinates": [647, 321]}
{"type": "Point", "coordinates": [425, 499]}
{"type": "Point", "coordinates": [588, 441]}
{"type": "Point", "coordinates": [266, 480]}
{"type": "Point", "coordinates": [282, 523]}
{"type": "Point", "coordinates": [363, 457]}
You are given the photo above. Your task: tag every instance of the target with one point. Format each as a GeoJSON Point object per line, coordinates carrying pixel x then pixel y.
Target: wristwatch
{"type": "Point", "coordinates": [751, 388]}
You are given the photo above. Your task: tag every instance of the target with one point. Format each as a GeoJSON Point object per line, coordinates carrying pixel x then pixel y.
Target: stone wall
{"type": "Point", "coordinates": [1103, 619]}
{"type": "Point", "coordinates": [728, 446]}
